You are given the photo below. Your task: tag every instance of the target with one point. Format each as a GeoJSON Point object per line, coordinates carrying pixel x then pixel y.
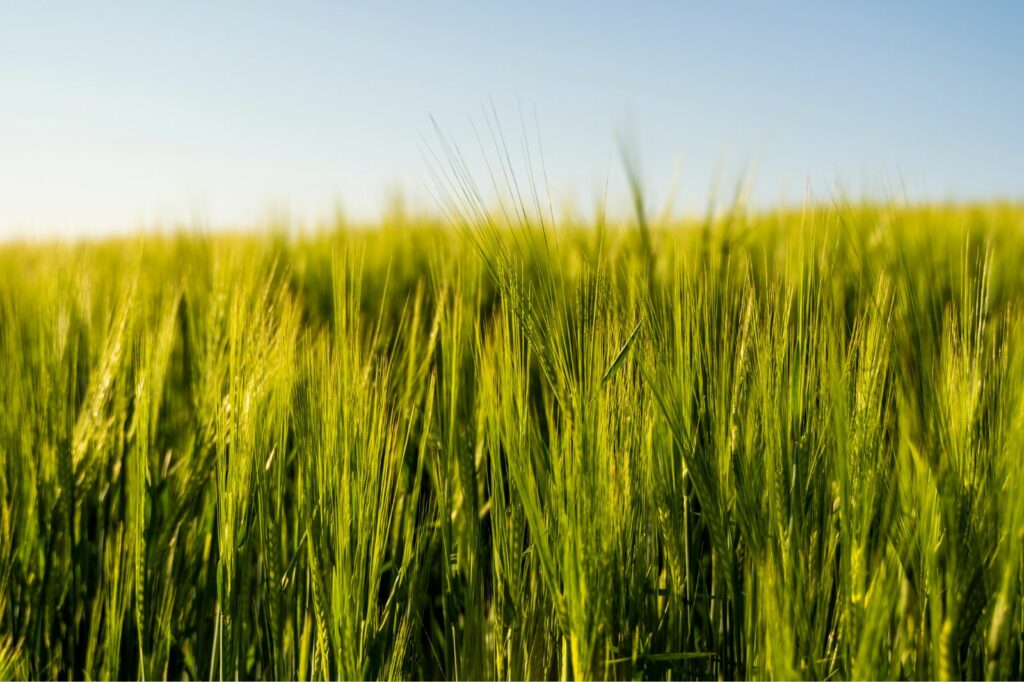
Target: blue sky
{"type": "Point", "coordinates": [120, 115]}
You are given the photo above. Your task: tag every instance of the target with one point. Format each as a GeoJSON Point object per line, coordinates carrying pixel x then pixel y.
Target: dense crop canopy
{"type": "Point", "coordinates": [766, 446]}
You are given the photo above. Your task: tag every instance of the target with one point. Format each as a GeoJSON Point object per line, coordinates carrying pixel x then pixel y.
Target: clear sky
{"type": "Point", "coordinates": [116, 115]}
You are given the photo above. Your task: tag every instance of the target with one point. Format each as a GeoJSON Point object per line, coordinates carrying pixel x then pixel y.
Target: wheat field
{"type": "Point", "coordinates": [764, 445]}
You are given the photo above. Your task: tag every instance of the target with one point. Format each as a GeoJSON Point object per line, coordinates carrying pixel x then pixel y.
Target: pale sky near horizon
{"type": "Point", "coordinates": [116, 115]}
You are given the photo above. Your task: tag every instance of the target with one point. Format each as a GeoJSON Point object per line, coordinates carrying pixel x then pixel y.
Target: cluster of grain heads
{"type": "Point", "coordinates": [767, 446]}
